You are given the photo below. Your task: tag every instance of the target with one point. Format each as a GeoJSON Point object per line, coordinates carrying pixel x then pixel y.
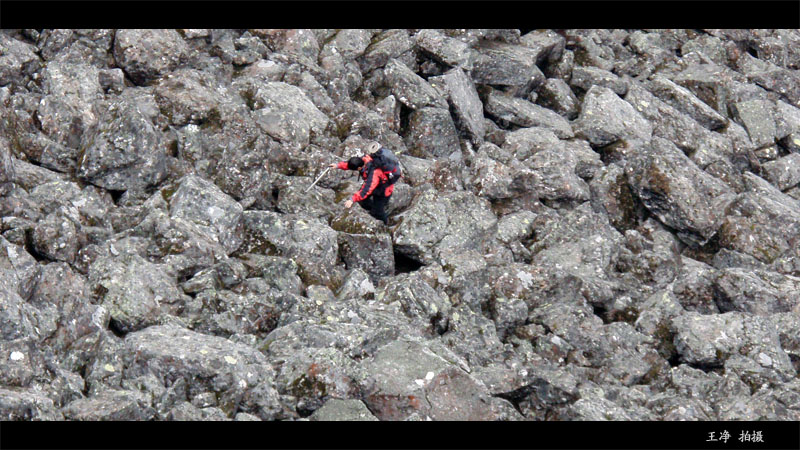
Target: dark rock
{"type": "Point", "coordinates": [685, 101]}
{"type": "Point", "coordinates": [346, 410]}
{"type": "Point", "coordinates": [431, 133]}
{"type": "Point", "coordinates": [467, 106]}
{"type": "Point", "coordinates": [370, 253]}
{"type": "Point", "coordinates": [187, 96]}
{"type": "Point", "coordinates": [411, 89]}
{"type": "Point", "coordinates": [146, 55]}
{"type": "Point", "coordinates": [670, 186]}
{"type": "Point", "coordinates": [605, 118]}
{"type": "Point", "coordinates": [18, 62]}
{"type": "Point", "coordinates": [526, 114]}
{"type": "Point", "coordinates": [111, 405]}
{"type": "Point", "coordinates": [384, 47]}
{"type": "Point", "coordinates": [755, 291]}
{"type": "Point", "coordinates": [784, 173]}
{"type": "Point", "coordinates": [586, 77]}
{"type": "Point", "coordinates": [126, 152]}
{"type": "Point", "coordinates": [498, 63]}
{"type": "Point", "coordinates": [56, 238]}
{"type": "Point", "coordinates": [26, 404]}
{"type": "Point", "coordinates": [450, 51]}
{"type": "Point", "coordinates": [285, 113]}
{"type": "Point", "coordinates": [557, 95]}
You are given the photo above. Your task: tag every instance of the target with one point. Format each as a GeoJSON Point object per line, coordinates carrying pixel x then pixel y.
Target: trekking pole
{"type": "Point", "coordinates": [318, 178]}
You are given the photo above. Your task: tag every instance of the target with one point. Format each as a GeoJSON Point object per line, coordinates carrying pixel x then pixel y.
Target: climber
{"type": "Point", "coordinates": [380, 170]}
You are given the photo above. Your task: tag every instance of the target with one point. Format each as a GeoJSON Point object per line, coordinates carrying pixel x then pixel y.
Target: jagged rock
{"type": "Point", "coordinates": [239, 375]}
{"type": "Point", "coordinates": [708, 341]}
{"type": "Point", "coordinates": [204, 204]}
{"type": "Point", "coordinates": [466, 104]}
{"type": "Point", "coordinates": [411, 89]}
{"type": "Point", "coordinates": [311, 244]}
{"type": "Point", "coordinates": [499, 63]}
{"type": "Point", "coordinates": [146, 55]}
{"type": "Point", "coordinates": [68, 108]}
{"type": "Point", "coordinates": [418, 299]}
{"type": "Point", "coordinates": [784, 173]}
{"type": "Point", "coordinates": [285, 113]}
{"type": "Point", "coordinates": [384, 47]}
{"type": "Point", "coordinates": [431, 133]}
{"type": "Point", "coordinates": [18, 62]}
{"type": "Point", "coordinates": [557, 95]}
{"type": "Point", "coordinates": [685, 101]}
{"type": "Point", "coordinates": [548, 44]}
{"type": "Point", "coordinates": [26, 404]}
{"type": "Point", "coordinates": [426, 235]}
{"type": "Point", "coordinates": [586, 77]}
{"type": "Point", "coordinates": [448, 50]}
{"type": "Point", "coordinates": [671, 186]}
{"type": "Point", "coordinates": [136, 292]}
{"type": "Point", "coordinates": [526, 114]}
{"type": "Point", "coordinates": [187, 96]}
{"type": "Point", "coordinates": [756, 116]}
{"type": "Point", "coordinates": [709, 82]}
{"type": "Point", "coordinates": [343, 410]}
{"type": "Point", "coordinates": [694, 286]}
{"type": "Point", "coordinates": [761, 223]}
{"type": "Point", "coordinates": [126, 151]}
{"type": "Point", "coordinates": [605, 118]}
{"type": "Point", "coordinates": [111, 405]}
{"type": "Point", "coordinates": [56, 238]}
{"type": "Point", "coordinates": [755, 291]}
{"type": "Point", "coordinates": [370, 253]}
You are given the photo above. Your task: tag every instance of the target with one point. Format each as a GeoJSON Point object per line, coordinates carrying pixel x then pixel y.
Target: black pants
{"type": "Point", "coordinates": [375, 204]}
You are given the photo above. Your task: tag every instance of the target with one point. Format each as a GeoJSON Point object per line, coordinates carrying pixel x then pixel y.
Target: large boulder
{"type": "Point", "coordinates": [204, 204]}
{"type": "Point", "coordinates": [18, 62]}
{"type": "Point", "coordinates": [125, 150]}
{"type": "Point", "coordinates": [499, 63]}
{"type": "Point", "coordinates": [448, 50]}
{"type": "Point", "coordinates": [431, 133]}
{"type": "Point", "coordinates": [187, 96]}
{"type": "Point", "coordinates": [605, 118]}
{"type": "Point", "coordinates": [284, 112]}
{"type": "Point", "coordinates": [239, 376]}
{"type": "Point", "coordinates": [676, 191]}
{"type": "Point", "coordinates": [427, 235]}
{"type": "Point", "coordinates": [411, 89]}
{"type": "Point", "coordinates": [146, 55]}
{"type": "Point", "coordinates": [311, 244]}
{"type": "Point", "coordinates": [526, 114]}
{"type": "Point", "coordinates": [136, 293]}
{"type": "Point", "coordinates": [466, 104]}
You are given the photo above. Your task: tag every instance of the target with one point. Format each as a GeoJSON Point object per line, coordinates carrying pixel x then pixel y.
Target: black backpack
{"type": "Point", "coordinates": [385, 160]}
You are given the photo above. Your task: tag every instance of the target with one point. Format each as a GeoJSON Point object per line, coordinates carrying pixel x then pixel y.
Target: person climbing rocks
{"type": "Point", "coordinates": [380, 170]}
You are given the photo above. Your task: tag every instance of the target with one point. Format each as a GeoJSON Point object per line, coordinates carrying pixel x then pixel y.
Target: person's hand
{"type": "Point", "coordinates": [333, 166]}
{"type": "Point", "coordinates": [348, 204]}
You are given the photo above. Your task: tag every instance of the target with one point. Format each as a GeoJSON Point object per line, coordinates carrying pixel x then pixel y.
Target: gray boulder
{"type": "Point", "coordinates": [68, 108]}
{"type": "Point", "coordinates": [605, 118]}
{"type": "Point", "coordinates": [411, 89]}
{"type": "Point", "coordinates": [526, 114]}
{"type": "Point", "coordinates": [204, 204]}
{"type": "Point", "coordinates": [56, 238]}
{"type": "Point", "coordinates": [311, 244]}
{"type": "Point", "coordinates": [187, 96]}
{"type": "Point", "coordinates": [426, 235]}
{"type": "Point", "coordinates": [26, 404]}
{"type": "Point", "coordinates": [756, 116]}
{"type": "Point", "coordinates": [446, 49]}
{"type": "Point", "coordinates": [370, 253]}
{"type": "Point", "coordinates": [385, 46]}
{"type": "Point", "coordinates": [136, 292]}
{"type": "Point", "coordinates": [673, 188]}
{"type": "Point", "coordinates": [431, 133]}
{"type": "Point", "coordinates": [504, 64]}
{"type": "Point", "coordinates": [285, 113]}
{"type": "Point", "coordinates": [146, 55]}
{"type": "Point", "coordinates": [466, 104]}
{"type": "Point", "coordinates": [239, 376]}
{"type": "Point", "coordinates": [111, 405]}
{"type": "Point", "coordinates": [586, 77]}
{"type": "Point", "coordinates": [685, 101]}
{"type": "Point", "coordinates": [756, 291]}
{"type": "Point", "coordinates": [784, 172]}
{"type": "Point", "coordinates": [18, 62]}
{"type": "Point", "coordinates": [126, 152]}
{"type": "Point", "coordinates": [557, 95]}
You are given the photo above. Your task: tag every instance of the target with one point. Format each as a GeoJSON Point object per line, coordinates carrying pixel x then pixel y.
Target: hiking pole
{"type": "Point", "coordinates": [318, 178]}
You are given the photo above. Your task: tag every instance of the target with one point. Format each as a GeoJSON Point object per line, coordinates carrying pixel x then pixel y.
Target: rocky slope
{"type": "Point", "coordinates": [593, 224]}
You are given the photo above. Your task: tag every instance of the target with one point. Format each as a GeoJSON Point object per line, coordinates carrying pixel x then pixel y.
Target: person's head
{"type": "Point", "coordinates": [355, 163]}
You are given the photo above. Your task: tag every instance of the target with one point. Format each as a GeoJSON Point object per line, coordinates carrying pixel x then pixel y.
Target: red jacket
{"type": "Point", "coordinates": [373, 178]}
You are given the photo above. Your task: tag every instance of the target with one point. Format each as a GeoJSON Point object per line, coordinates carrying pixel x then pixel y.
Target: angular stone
{"type": "Point", "coordinates": [126, 152]}
{"type": "Point", "coordinates": [187, 96]}
{"type": "Point", "coordinates": [18, 62]}
{"type": "Point", "coordinates": [448, 50]}
{"type": "Point", "coordinates": [557, 95]}
{"type": "Point", "coordinates": [784, 172]}
{"type": "Point", "coordinates": [526, 114]}
{"type": "Point", "coordinates": [370, 253]}
{"type": "Point", "coordinates": [285, 113]}
{"type": "Point", "coordinates": [204, 204]}
{"type": "Point", "coordinates": [677, 192]}
{"type": "Point", "coordinates": [685, 101]}
{"type": "Point", "coordinates": [586, 77]}
{"type": "Point", "coordinates": [146, 55]}
{"type": "Point", "coordinates": [384, 47]}
{"type": "Point", "coordinates": [136, 293]}
{"type": "Point", "coordinates": [757, 117]}
{"type": "Point", "coordinates": [756, 291]}
{"type": "Point", "coordinates": [605, 118]}
{"type": "Point", "coordinates": [467, 106]}
{"type": "Point", "coordinates": [111, 405]}
{"type": "Point", "coordinates": [343, 410]}
{"type": "Point", "coordinates": [431, 133]}
{"type": "Point", "coordinates": [411, 89]}
{"type": "Point", "coordinates": [498, 63]}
